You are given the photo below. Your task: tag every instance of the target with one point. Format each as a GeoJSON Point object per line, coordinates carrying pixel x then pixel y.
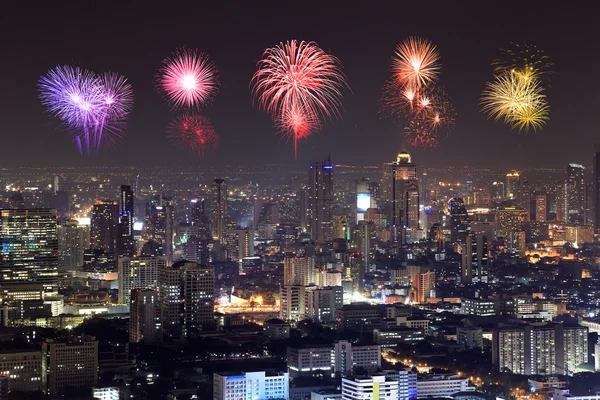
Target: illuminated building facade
{"type": "Point", "coordinates": [512, 185]}
{"type": "Point", "coordinates": [319, 198]}
{"type": "Point", "coordinates": [541, 207]}
{"type": "Point", "coordinates": [144, 321]}
{"type": "Point", "coordinates": [575, 194]}
{"type": "Point", "coordinates": [103, 232]}
{"type": "Point", "coordinates": [509, 219]}
{"type": "Point", "coordinates": [401, 194]}
{"type": "Point", "coordinates": [69, 365]}
{"type": "Point", "coordinates": [138, 273]}
{"type": "Point", "coordinates": [218, 208]}
{"type": "Point", "coordinates": [23, 368]}
{"type": "Point", "coordinates": [596, 187]}
{"type": "Point", "coordinates": [366, 192]}
{"type": "Point", "coordinates": [73, 239]}
{"type": "Point", "coordinates": [475, 259]}
{"type": "Point", "coordinates": [125, 241]}
{"type": "Point", "coordinates": [562, 202]}
{"type": "Point", "coordinates": [29, 251]}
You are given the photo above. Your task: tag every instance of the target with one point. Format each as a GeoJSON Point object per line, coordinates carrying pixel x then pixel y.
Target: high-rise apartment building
{"type": "Point", "coordinates": [424, 283]}
{"type": "Point", "coordinates": [250, 385]}
{"type": "Point", "coordinates": [103, 233]}
{"type": "Point", "coordinates": [144, 320]}
{"type": "Point", "coordinates": [596, 187]}
{"type": "Point", "coordinates": [29, 247]}
{"type": "Point", "coordinates": [218, 208]}
{"type": "Point", "coordinates": [187, 298]}
{"type": "Point", "coordinates": [401, 194]}
{"type": "Point", "coordinates": [509, 219]}
{"type": "Point", "coordinates": [299, 270]}
{"type": "Point", "coordinates": [160, 225]}
{"type": "Point", "coordinates": [239, 243]}
{"type": "Point", "coordinates": [322, 303]}
{"type": "Point", "coordinates": [292, 303]}
{"type": "Point", "coordinates": [562, 202]}
{"type": "Point", "coordinates": [525, 197]}
{"type": "Point", "coordinates": [320, 201]}
{"type": "Point", "coordinates": [73, 364]}
{"type": "Point", "coordinates": [138, 273]}
{"type": "Point", "coordinates": [458, 223]}
{"type": "Point", "coordinates": [73, 239]}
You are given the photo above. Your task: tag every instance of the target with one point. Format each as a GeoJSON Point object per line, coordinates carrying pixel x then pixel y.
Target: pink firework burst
{"type": "Point", "coordinates": [188, 79]}
{"type": "Point", "coordinates": [298, 81]}
{"type": "Point", "coordinates": [194, 132]}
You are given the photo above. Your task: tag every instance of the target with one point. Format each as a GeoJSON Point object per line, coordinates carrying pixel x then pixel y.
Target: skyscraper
{"type": "Point", "coordinates": [512, 185]}
{"type": "Point", "coordinates": [596, 187]}
{"type": "Point", "coordinates": [401, 194]}
{"type": "Point", "coordinates": [29, 251]}
{"type": "Point", "coordinates": [459, 221]}
{"type": "Point", "coordinates": [73, 240]}
{"type": "Point", "coordinates": [562, 202]}
{"type": "Point", "coordinates": [320, 201]}
{"type": "Point", "coordinates": [103, 233]}
{"type": "Point", "coordinates": [125, 242]}
{"type": "Point", "coordinates": [144, 321]}
{"type": "Point", "coordinates": [525, 197]}
{"type": "Point", "coordinates": [365, 197]}
{"type": "Point", "coordinates": [218, 208]}
{"type": "Point", "coordinates": [475, 259]}
{"type": "Point", "coordinates": [138, 273]}
{"type": "Point", "coordinates": [161, 225]}
{"type": "Point", "coordinates": [541, 207]}
{"type": "Point", "coordinates": [187, 298]}
{"type": "Point", "coordinates": [576, 194]}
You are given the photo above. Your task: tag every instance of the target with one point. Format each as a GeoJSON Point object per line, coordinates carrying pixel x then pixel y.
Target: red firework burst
{"type": "Point", "coordinates": [188, 79]}
{"type": "Point", "coordinates": [195, 132]}
{"type": "Point", "coordinates": [298, 81]}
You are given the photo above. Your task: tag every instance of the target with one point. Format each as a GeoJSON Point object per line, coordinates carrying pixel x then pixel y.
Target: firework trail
{"type": "Point", "coordinates": [525, 59]}
{"type": "Point", "coordinates": [86, 104]}
{"type": "Point", "coordinates": [188, 79]}
{"type": "Point", "coordinates": [194, 132]}
{"type": "Point", "coordinates": [298, 81]}
{"type": "Point", "coordinates": [411, 96]}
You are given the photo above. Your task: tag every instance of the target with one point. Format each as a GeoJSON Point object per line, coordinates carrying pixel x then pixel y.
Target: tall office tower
{"type": "Point", "coordinates": [509, 219]}
{"type": "Point", "coordinates": [125, 241]}
{"type": "Point", "coordinates": [251, 385]}
{"type": "Point", "coordinates": [525, 197]}
{"type": "Point", "coordinates": [424, 283]}
{"type": "Point", "coordinates": [475, 259]}
{"type": "Point", "coordinates": [103, 233]}
{"type": "Point", "coordinates": [320, 201]}
{"type": "Point", "coordinates": [562, 202]}
{"type": "Point", "coordinates": [160, 225]}
{"type": "Point", "coordinates": [512, 185]}
{"type": "Point", "coordinates": [186, 292]}
{"type": "Point", "coordinates": [322, 303]}
{"type": "Point", "coordinates": [364, 239]}
{"type": "Point", "coordinates": [576, 193]}
{"type": "Point", "coordinates": [596, 187]}
{"type": "Point", "coordinates": [29, 247]}
{"type": "Point", "coordinates": [292, 303]}
{"type": "Point", "coordinates": [366, 191]}
{"type": "Point", "coordinates": [372, 388]}
{"type": "Point", "coordinates": [589, 204]}
{"type": "Point", "coordinates": [144, 321]}
{"type": "Point", "coordinates": [401, 195]}
{"type": "Point", "coordinates": [196, 249]}
{"type": "Point", "coordinates": [459, 221]}
{"type": "Point", "coordinates": [73, 239]}
{"type": "Point", "coordinates": [138, 273]}
{"type": "Point", "coordinates": [299, 270]}
{"type": "Point", "coordinates": [541, 207]}
{"type": "Point", "coordinates": [73, 364]}
{"type": "Point", "coordinates": [218, 208]}
{"type": "Point", "coordinates": [239, 243]}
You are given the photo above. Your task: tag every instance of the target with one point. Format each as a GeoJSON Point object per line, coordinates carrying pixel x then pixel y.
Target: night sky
{"type": "Point", "coordinates": [132, 38]}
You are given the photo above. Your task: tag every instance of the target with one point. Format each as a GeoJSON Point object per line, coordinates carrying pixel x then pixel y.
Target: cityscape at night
{"type": "Point", "coordinates": [284, 201]}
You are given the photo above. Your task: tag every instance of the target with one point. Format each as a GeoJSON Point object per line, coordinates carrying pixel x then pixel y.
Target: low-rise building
{"type": "Point", "coordinates": [23, 368]}
{"type": "Point", "coordinates": [470, 336]}
{"type": "Point", "coordinates": [250, 385]}
{"type": "Point", "coordinates": [396, 335]}
{"type": "Point", "coordinates": [276, 329]}
{"type": "Point", "coordinates": [440, 385]}
{"type": "Point", "coordinates": [371, 388]}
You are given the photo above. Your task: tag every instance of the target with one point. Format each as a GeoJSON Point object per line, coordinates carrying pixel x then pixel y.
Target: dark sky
{"type": "Point", "coordinates": [133, 37]}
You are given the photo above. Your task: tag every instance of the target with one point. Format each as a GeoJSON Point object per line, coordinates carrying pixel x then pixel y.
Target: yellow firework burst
{"type": "Point", "coordinates": [517, 98]}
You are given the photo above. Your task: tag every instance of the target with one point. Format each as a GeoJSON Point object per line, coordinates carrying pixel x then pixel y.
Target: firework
{"type": "Point", "coordinates": [195, 132]}
{"type": "Point", "coordinates": [518, 100]}
{"type": "Point", "coordinates": [299, 81]}
{"type": "Point", "coordinates": [297, 124]}
{"type": "Point", "coordinates": [525, 59]}
{"type": "Point", "coordinates": [188, 79]}
{"type": "Point", "coordinates": [91, 107]}
{"type": "Point", "coordinates": [416, 62]}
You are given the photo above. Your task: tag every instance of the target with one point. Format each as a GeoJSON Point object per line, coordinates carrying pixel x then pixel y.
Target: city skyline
{"type": "Point", "coordinates": [236, 43]}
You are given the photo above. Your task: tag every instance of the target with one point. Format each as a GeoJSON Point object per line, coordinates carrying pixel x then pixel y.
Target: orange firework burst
{"type": "Point", "coordinates": [195, 132]}
{"type": "Point", "coordinates": [416, 62]}
{"type": "Point", "coordinates": [411, 97]}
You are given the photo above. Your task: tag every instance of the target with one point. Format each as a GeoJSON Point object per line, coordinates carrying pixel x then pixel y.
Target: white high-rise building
{"type": "Point", "coordinates": [250, 385]}
{"type": "Point", "coordinates": [73, 239]}
{"type": "Point", "coordinates": [407, 383]}
{"type": "Point", "coordinates": [292, 303]}
{"type": "Point", "coordinates": [138, 273]}
{"type": "Point", "coordinates": [371, 388]}
{"type": "Point", "coordinates": [322, 303]}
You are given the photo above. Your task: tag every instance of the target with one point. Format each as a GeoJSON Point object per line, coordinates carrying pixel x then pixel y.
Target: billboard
{"type": "Point", "coordinates": [363, 202]}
